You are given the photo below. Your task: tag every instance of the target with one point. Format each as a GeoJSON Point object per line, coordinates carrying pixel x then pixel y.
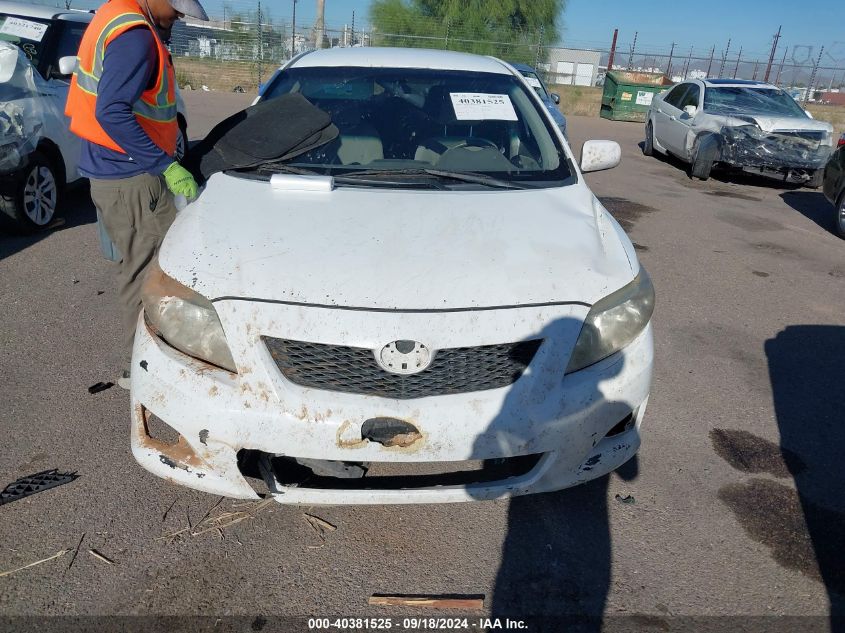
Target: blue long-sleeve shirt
{"type": "Point", "coordinates": [129, 68]}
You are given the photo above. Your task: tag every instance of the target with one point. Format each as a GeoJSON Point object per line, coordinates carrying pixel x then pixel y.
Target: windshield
{"type": "Point", "coordinates": [741, 100]}
{"type": "Point", "coordinates": [25, 33]}
{"type": "Point", "coordinates": [393, 120]}
{"type": "Point", "coordinates": [534, 81]}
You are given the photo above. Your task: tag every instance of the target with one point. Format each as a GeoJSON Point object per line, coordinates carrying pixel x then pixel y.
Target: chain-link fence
{"type": "Point", "coordinates": [247, 40]}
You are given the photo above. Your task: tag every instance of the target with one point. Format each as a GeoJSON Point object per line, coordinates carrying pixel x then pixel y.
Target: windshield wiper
{"type": "Point", "coordinates": [462, 176]}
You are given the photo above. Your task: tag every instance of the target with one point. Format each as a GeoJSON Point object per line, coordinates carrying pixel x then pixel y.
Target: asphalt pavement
{"type": "Point", "coordinates": [735, 507]}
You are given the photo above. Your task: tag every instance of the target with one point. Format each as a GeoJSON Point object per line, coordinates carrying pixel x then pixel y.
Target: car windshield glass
{"type": "Point", "coordinates": [418, 119]}
{"type": "Point", "coordinates": [742, 100]}
{"type": "Point", "coordinates": [534, 81]}
{"type": "Point", "coordinates": [26, 33]}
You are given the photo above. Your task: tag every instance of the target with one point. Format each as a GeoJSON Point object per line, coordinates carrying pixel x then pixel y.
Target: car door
{"type": "Point", "coordinates": [666, 112]}
{"type": "Point", "coordinates": [66, 38]}
{"type": "Point", "coordinates": [679, 128]}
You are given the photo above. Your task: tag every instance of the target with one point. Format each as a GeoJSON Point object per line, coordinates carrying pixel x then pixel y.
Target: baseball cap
{"type": "Point", "coordinates": [191, 8]}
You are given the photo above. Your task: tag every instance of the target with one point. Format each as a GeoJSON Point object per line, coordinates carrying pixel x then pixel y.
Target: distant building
{"type": "Point", "coordinates": [831, 98]}
{"type": "Point", "coordinates": [572, 66]}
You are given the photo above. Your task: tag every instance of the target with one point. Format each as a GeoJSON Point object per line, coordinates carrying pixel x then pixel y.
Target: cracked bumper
{"type": "Point", "coordinates": [218, 413]}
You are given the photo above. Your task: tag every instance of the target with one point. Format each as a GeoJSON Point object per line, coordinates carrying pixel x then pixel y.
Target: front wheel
{"type": "Point", "coordinates": [34, 202]}
{"type": "Point", "coordinates": [840, 216]}
{"type": "Point", "coordinates": [648, 145]}
{"type": "Point", "coordinates": [703, 157]}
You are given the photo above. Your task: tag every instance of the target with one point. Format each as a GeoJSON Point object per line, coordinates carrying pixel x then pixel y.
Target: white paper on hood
{"type": "Point", "coordinates": [26, 29]}
{"type": "Point", "coordinates": [479, 106]}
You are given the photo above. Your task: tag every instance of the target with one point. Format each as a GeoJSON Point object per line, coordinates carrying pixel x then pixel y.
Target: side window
{"type": "Point", "coordinates": [676, 95]}
{"type": "Point", "coordinates": [690, 98]}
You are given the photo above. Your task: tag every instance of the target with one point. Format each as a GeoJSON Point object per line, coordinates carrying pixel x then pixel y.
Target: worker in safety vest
{"type": "Point", "coordinates": [122, 102]}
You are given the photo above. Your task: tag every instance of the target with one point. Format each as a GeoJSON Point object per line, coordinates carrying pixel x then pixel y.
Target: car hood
{"type": "Point", "coordinates": [771, 123]}
{"type": "Point", "coordinates": [377, 248]}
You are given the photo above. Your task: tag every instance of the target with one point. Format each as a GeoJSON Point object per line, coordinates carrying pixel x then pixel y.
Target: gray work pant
{"type": "Point", "coordinates": [136, 212]}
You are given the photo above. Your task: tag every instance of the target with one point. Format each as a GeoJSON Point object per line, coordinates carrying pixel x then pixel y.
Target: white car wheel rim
{"type": "Point", "coordinates": [40, 195]}
{"type": "Point", "coordinates": [841, 217]}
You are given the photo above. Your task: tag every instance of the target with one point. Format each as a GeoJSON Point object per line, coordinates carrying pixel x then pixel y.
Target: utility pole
{"type": "Point", "coordinates": [736, 68]}
{"type": "Point", "coordinates": [710, 65]}
{"type": "Point", "coordinates": [612, 50]}
{"type": "Point", "coordinates": [689, 61]}
{"type": "Point", "coordinates": [669, 65]}
{"type": "Point", "coordinates": [633, 46]}
{"type": "Point", "coordinates": [352, 35]}
{"type": "Point", "coordinates": [724, 58]}
{"type": "Point", "coordinates": [539, 46]}
{"type": "Point", "coordinates": [260, 47]}
{"type": "Point", "coordinates": [293, 33]}
{"type": "Point", "coordinates": [772, 55]}
{"type": "Point", "coordinates": [780, 68]}
{"type": "Point", "coordinates": [813, 76]}
{"type": "Point", "coordinates": [756, 63]}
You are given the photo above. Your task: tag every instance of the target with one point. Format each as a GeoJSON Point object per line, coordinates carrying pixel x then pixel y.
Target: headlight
{"type": "Point", "coordinates": [185, 319]}
{"type": "Point", "coordinates": [614, 322]}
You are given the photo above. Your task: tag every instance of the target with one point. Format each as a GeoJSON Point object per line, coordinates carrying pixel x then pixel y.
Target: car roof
{"type": "Point", "coordinates": [523, 68]}
{"type": "Point", "coordinates": [737, 83]}
{"type": "Point", "coordinates": [43, 12]}
{"type": "Point", "coordinates": [385, 57]}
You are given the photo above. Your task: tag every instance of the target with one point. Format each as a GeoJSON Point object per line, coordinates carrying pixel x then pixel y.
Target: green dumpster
{"type": "Point", "coordinates": [627, 95]}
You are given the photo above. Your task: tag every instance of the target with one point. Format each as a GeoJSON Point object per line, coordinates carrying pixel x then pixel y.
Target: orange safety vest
{"type": "Point", "coordinates": [156, 108]}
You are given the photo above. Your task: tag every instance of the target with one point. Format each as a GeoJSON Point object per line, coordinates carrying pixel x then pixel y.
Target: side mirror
{"type": "Point", "coordinates": [556, 98]}
{"type": "Point", "coordinates": [690, 110]}
{"type": "Point", "coordinates": [67, 65]}
{"type": "Point", "coordinates": [599, 155]}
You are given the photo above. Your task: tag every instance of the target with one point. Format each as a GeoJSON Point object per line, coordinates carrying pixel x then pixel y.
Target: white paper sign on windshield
{"type": "Point", "coordinates": [479, 106]}
{"type": "Point", "coordinates": [25, 29]}
{"type": "Point", "coordinates": [533, 82]}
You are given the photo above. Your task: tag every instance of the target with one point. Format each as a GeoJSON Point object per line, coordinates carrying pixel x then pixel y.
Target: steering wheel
{"type": "Point", "coordinates": [481, 143]}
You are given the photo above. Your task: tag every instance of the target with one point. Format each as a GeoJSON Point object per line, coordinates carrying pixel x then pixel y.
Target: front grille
{"type": "Point", "coordinates": [355, 370]}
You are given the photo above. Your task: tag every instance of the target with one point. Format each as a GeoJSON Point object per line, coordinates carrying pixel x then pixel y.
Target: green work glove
{"type": "Point", "coordinates": [180, 181]}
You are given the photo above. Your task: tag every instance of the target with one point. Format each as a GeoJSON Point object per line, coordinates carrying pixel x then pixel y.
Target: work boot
{"type": "Point", "coordinates": [123, 379]}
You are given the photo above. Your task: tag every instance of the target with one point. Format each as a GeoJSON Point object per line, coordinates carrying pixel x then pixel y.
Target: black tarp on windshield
{"type": "Point", "coordinates": [273, 130]}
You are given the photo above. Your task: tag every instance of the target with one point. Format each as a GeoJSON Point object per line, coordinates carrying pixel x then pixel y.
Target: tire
{"type": "Point", "coordinates": [816, 180]}
{"type": "Point", "coordinates": [181, 140]}
{"type": "Point", "coordinates": [839, 218]}
{"type": "Point", "coordinates": [648, 144]}
{"type": "Point", "coordinates": [34, 202]}
{"type": "Point", "coordinates": [703, 156]}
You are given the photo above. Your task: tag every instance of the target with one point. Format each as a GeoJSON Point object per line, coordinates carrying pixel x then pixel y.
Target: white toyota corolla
{"type": "Point", "coordinates": [431, 307]}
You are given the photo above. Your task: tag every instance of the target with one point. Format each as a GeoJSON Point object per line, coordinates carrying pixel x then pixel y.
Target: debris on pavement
{"type": "Point", "coordinates": [625, 499]}
{"type": "Point", "coordinates": [76, 551]}
{"type": "Point", "coordinates": [469, 603]}
{"type": "Point", "coordinates": [100, 556]}
{"type": "Point", "coordinates": [321, 526]}
{"type": "Point", "coordinates": [38, 562]}
{"type": "Point", "coordinates": [29, 485]}
{"type": "Point", "coordinates": [100, 386]}
{"type": "Point", "coordinates": [218, 522]}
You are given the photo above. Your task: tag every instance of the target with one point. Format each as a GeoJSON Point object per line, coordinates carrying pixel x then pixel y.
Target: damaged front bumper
{"type": "Point", "coordinates": [796, 153]}
{"type": "Point", "coordinates": [556, 432]}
